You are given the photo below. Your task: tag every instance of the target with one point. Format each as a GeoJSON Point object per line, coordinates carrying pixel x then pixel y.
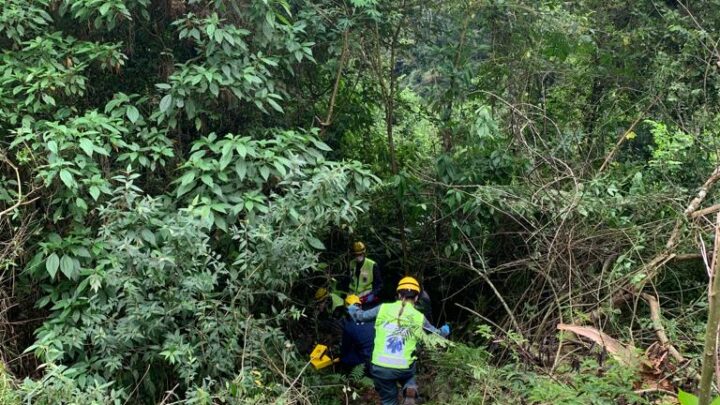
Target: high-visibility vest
{"type": "Point", "coordinates": [396, 338]}
{"type": "Point", "coordinates": [361, 285]}
{"type": "Point", "coordinates": [337, 301]}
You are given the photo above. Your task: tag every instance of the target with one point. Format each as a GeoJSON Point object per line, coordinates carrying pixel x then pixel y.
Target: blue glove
{"type": "Point", "coordinates": [445, 330]}
{"type": "Point", "coordinates": [353, 309]}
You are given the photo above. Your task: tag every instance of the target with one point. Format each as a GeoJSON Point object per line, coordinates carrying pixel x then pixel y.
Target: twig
{"type": "Point", "coordinates": [666, 255]}
{"type": "Point", "coordinates": [138, 384]}
{"type": "Point", "coordinates": [483, 318]}
{"type": "Point", "coordinates": [293, 382]}
{"type": "Point", "coordinates": [19, 185]}
{"type": "Point", "coordinates": [623, 137]}
{"type": "Point", "coordinates": [499, 296]}
{"type": "Point", "coordinates": [338, 75]}
{"type": "Point", "coordinates": [168, 394]}
{"type": "Point", "coordinates": [242, 357]}
{"type": "Point", "coordinates": [654, 390]}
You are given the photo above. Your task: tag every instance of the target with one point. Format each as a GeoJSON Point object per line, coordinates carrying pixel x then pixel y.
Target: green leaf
{"type": "Point", "coordinates": [53, 147]}
{"type": "Point", "coordinates": [265, 172]}
{"type": "Point", "coordinates": [132, 113]}
{"type": "Point", "coordinates": [321, 145]}
{"type": "Point", "coordinates": [165, 103]}
{"type": "Point", "coordinates": [226, 156]}
{"type": "Point", "coordinates": [686, 398]}
{"type": "Point", "coordinates": [241, 169]}
{"type": "Point", "coordinates": [51, 264]}
{"type": "Point", "coordinates": [87, 146]}
{"type": "Point", "coordinates": [48, 99]}
{"type": "Point", "coordinates": [241, 150]}
{"type": "Point", "coordinates": [214, 89]}
{"type": "Point", "coordinates": [81, 204]}
{"type": "Point", "coordinates": [221, 223]}
{"type": "Point", "coordinates": [187, 178]}
{"type": "Point", "coordinates": [67, 178]}
{"type": "Point", "coordinates": [274, 105]}
{"type": "Point", "coordinates": [316, 243]}
{"type": "Point", "coordinates": [67, 266]}
{"type": "Point", "coordinates": [715, 401]}
{"type": "Point", "coordinates": [148, 236]}
{"type": "Point", "coordinates": [94, 192]}
{"type": "Point", "coordinates": [280, 168]}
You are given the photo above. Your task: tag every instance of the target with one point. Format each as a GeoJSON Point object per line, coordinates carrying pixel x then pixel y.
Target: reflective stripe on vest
{"type": "Point", "coordinates": [395, 341]}
{"type": "Point", "coordinates": [361, 285]}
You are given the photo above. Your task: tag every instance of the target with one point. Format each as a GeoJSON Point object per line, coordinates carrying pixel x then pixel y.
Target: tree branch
{"type": "Point", "coordinates": [336, 86]}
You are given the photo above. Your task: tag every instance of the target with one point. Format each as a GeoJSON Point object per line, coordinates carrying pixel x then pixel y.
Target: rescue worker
{"type": "Point", "coordinates": [329, 309]}
{"type": "Point", "coordinates": [397, 328]}
{"type": "Point", "coordinates": [364, 278]}
{"type": "Point", "coordinates": [327, 302]}
{"type": "Point", "coordinates": [357, 339]}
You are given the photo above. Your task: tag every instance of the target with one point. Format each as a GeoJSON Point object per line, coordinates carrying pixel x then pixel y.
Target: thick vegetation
{"type": "Point", "coordinates": [178, 176]}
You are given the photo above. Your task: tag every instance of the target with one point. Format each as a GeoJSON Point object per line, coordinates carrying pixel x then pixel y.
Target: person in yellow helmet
{"type": "Point", "coordinates": [397, 328]}
{"type": "Point", "coordinates": [364, 278]}
{"type": "Point", "coordinates": [357, 340]}
{"type": "Point", "coordinates": [327, 301]}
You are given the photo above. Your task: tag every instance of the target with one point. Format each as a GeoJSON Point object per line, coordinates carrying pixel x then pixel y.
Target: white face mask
{"type": "Point", "coordinates": [360, 258]}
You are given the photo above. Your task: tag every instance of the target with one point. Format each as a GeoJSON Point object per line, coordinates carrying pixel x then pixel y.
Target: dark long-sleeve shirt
{"type": "Point", "coordinates": [357, 342]}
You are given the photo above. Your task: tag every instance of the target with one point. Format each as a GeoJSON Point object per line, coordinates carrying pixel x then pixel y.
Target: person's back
{"type": "Point", "coordinates": [397, 326]}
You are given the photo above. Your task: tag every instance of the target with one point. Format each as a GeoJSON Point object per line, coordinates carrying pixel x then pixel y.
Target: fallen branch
{"type": "Point", "coordinates": [652, 267]}
{"type": "Point", "coordinates": [624, 355]}
{"type": "Point", "coordinates": [705, 211]}
{"type": "Point", "coordinates": [659, 328]}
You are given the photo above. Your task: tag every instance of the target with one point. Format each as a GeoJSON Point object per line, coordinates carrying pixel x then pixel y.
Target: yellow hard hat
{"type": "Point", "coordinates": [352, 299]}
{"type": "Point", "coordinates": [321, 293]}
{"type": "Point", "coordinates": [358, 248]}
{"type": "Point", "coordinates": [408, 283]}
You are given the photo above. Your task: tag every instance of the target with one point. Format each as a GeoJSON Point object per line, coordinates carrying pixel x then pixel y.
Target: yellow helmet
{"type": "Point", "coordinates": [352, 299]}
{"type": "Point", "coordinates": [321, 294]}
{"type": "Point", "coordinates": [408, 283]}
{"type": "Point", "coordinates": [358, 248]}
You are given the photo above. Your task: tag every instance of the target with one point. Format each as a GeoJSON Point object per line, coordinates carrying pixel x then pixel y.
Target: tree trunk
{"type": "Point", "coordinates": [710, 351]}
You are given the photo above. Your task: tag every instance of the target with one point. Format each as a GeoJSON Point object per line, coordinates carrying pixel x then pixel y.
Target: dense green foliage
{"type": "Point", "coordinates": [177, 176]}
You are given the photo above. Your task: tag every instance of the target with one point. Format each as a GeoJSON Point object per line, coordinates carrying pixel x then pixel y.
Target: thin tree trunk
{"type": "Point", "coordinates": [710, 351]}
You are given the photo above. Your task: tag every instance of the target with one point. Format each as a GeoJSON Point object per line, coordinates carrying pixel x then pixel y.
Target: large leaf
{"type": "Point", "coordinates": [51, 264]}
{"type": "Point", "coordinates": [686, 398]}
{"type": "Point", "coordinates": [165, 103]}
{"type": "Point", "coordinates": [87, 146]}
{"type": "Point", "coordinates": [67, 267]}
{"type": "Point", "coordinates": [67, 178]}
{"type": "Point", "coordinates": [316, 243]}
{"type": "Point", "coordinates": [132, 113]}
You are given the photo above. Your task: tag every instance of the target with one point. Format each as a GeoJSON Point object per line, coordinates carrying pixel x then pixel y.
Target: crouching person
{"type": "Point", "coordinates": [398, 326]}
{"type": "Point", "coordinates": [357, 340]}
